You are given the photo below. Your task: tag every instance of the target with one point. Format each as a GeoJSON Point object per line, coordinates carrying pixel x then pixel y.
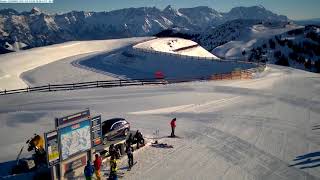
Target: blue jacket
{"type": "Point", "coordinates": [88, 170]}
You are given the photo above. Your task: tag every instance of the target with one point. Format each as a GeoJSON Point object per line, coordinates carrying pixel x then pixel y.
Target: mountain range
{"type": "Point", "coordinates": [21, 30]}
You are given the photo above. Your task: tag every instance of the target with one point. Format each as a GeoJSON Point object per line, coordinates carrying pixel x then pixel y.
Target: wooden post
{"type": "Point", "coordinates": [120, 82]}
{"type": "Point", "coordinates": [97, 83]}
{"type": "Point", "coordinates": [5, 91]}
{"type": "Point", "coordinates": [49, 87]}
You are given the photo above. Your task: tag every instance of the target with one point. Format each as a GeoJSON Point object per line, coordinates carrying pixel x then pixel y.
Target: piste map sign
{"type": "Point", "coordinates": [83, 115]}
{"type": "Point", "coordinates": [52, 148]}
{"type": "Point", "coordinates": [96, 131]}
{"type": "Point", "coordinates": [75, 138]}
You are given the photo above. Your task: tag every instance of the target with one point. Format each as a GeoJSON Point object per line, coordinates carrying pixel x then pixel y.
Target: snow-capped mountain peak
{"type": "Point", "coordinates": [38, 28]}
{"type": "Point", "coordinates": [36, 11]}
{"type": "Point", "coordinates": [8, 12]}
{"type": "Point", "coordinates": [253, 12]}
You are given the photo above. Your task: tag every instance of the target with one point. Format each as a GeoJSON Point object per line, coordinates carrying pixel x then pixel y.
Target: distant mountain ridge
{"type": "Point", "coordinates": [38, 28]}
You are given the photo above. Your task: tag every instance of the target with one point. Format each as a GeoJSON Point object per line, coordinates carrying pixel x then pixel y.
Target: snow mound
{"type": "Point", "coordinates": [175, 46]}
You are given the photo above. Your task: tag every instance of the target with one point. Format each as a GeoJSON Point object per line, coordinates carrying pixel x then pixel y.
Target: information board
{"type": "Point", "coordinates": [83, 115]}
{"type": "Point", "coordinates": [75, 138]}
{"type": "Point", "coordinates": [81, 161]}
{"type": "Point", "coordinates": [52, 148]}
{"type": "Point", "coordinates": [96, 131]}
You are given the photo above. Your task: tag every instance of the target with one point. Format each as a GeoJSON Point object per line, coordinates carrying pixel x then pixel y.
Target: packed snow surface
{"type": "Point", "coordinates": [175, 46]}
{"type": "Point", "coordinates": [251, 129]}
{"type": "Point", "coordinates": [12, 65]}
{"type": "Point", "coordinates": [131, 63]}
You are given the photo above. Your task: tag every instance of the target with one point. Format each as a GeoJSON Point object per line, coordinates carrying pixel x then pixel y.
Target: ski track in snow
{"type": "Point", "coordinates": [250, 129]}
{"type": "Point", "coordinates": [231, 129]}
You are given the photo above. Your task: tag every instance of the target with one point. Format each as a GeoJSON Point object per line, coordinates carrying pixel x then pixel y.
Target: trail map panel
{"type": "Point", "coordinates": [96, 131]}
{"type": "Point", "coordinates": [83, 115]}
{"type": "Point", "coordinates": [52, 148]}
{"type": "Point", "coordinates": [75, 138]}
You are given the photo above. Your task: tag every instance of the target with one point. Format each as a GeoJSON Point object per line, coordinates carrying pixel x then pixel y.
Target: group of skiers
{"type": "Point", "coordinates": [115, 155]}
{"type": "Point", "coordinates": [89, 169]}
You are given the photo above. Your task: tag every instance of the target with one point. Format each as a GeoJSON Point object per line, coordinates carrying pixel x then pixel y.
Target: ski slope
{"type": "Point", "coordinates": [172, 45]}
{"type": "Point", "coordinates": [12, 65]}
{"type": "Point", "coordinates": [253, 37]}
{"type": "Point", "coordinates": [130, 62]}
{"type": "Point", "coordinates": [250, 129]}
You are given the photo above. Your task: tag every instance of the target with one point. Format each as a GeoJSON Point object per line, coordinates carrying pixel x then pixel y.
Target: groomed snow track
{"type": "Point", "coordinates": [260, 128]}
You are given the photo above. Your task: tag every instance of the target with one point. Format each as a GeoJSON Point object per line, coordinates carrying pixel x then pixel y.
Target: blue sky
{"type": "Point", "coordinates": [294, 9]}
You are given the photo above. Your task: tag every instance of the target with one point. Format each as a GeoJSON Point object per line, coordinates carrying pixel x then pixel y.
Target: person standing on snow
{"type": "Point", "coordinates": [113, 169]}
{"type": "Point", "coordinates": [138, 138]}
{"type": "Point", "coordinates": [173, 126]}
{"type": "Point", "coordinates": [129, 141]}
{"type": "Point", "coordinates": [88, 170]}
{"type": "Point", "coordinates": [97, 166]}
{"type": "Point", "coordinates": [129, 150]}
{"type": "Point", "coordinates": [113, 151]}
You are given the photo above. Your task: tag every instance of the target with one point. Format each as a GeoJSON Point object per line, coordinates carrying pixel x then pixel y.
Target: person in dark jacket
{"type": "Point", "coordinates": [88, 170]}
{"type": "Point", "coordinates": [97, 166]}
{"type": "Point", "coordinates": [138, 137]}
{"type": "Point", "coordinates": [113, 151]}
{"type": "Point", "coordinates": [129, 151]}
{"type": "Point", "coordinates": [129, 141]}
{"type": "Point", "coordinates": [173, 127]}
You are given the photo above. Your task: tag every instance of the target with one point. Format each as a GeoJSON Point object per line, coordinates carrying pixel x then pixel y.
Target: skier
{"type": "Point", "coordinates": [113, 151]}
{"type": "Point", "coordinates": [129, 150]}
{"type": "Point", "coordinates": [113, 169]}
{"type": "Point", "coordinates": [139, 139]}
{"type": "Point", "coordinates": [97, 166]}
{"type": "Point", "coordinates": [88, 170]}
{"type": "Point", "coordinates": [173, 127]}
{"type": "Point", "coordinates": [129, 141]}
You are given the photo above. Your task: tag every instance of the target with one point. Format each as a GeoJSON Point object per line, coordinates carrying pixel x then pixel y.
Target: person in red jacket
{"type": "Point", "coordinates": [173, 126]}
{"type": "Point", "coordinates": [97, 166]}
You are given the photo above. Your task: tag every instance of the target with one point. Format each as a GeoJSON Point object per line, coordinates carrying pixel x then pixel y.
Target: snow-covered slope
{"type": "Point", "coordinates": [299, 48]}
{"type": "Point", "coordinates": [255, 12]}
{"type": "Point", "coordinates": [12, 65]}
{"type": "Point", "coordinates": [175, 46]}
{"type": "Point", "coordinates": [38, 28]}
{"type": "Point", "coordinates": [240, 32]}
{"type": "Point", "coordinates": [231, 33]}
{"type": "Point", "coordinates": [244, 130]}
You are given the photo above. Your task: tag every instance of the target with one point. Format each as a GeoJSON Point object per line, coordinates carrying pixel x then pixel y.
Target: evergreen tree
{"type": "Point", "coordinates": [283, 61]}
